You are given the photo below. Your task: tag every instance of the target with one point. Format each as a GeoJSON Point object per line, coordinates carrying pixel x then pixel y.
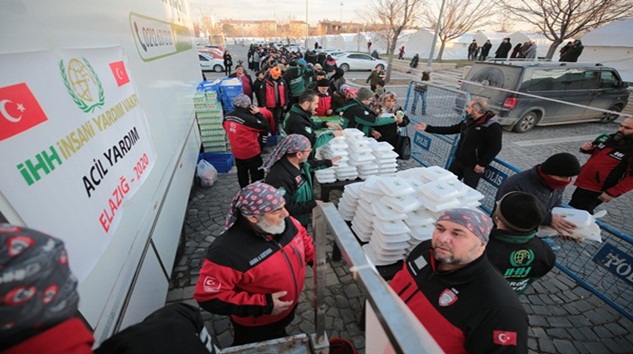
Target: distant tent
{"type": "Point", "coordinates": [420, 43]}
{"type": "Point", "coordinates": [611, 45]}
{"type": "Point", "coordinates": [360, 40]}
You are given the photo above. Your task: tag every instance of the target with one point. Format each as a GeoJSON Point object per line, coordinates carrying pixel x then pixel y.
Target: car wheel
{"type": "Point", "coordinates": [218, 68]}
{"type": "Point", "coordinates": [527, 122]}
{"type": "Point", "coordinates": [610, 117]}
{"type": "Point", "coordinates": [344, 67]}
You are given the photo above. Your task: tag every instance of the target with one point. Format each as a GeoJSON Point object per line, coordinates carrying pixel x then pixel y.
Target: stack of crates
{"type": "Point", "coordinates": [229, 89]}
{"type": "Point", "coordinates": [209, 115]}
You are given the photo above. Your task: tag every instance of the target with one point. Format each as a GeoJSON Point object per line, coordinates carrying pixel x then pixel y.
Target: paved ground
{"type": "Point", "coordinates": [564, 317]}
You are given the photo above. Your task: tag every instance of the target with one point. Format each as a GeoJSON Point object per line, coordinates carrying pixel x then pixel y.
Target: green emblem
{"type": "Point", "coordinates": [81, 82]}
{"type": "Point", "coordinates": [521, 258]}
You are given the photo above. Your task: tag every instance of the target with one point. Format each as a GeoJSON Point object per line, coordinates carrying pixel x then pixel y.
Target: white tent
{"type": "Point", "coordinates": [361, 40]}
{"type": "Point", "coordinates": [379, 42]}
{"type": "Point", "coordinates": [333, 41]}
{"type": "Point", "coordinates": [420, 43]}
{"type": "Point", "coordinates": [349, 42]}
{"type": "Point", "coordinates": [611, 45]}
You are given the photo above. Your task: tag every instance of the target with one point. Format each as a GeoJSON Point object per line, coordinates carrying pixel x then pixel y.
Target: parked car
{"type": "Point", "coordinates": [218, 47]}
{"type": "Point", "coordinates": [209, 63]}
{"type": "Point", "coordinates": [333, 52]}
{"type": "Point", "coordinates": [295, 47]}
{"type": "Point", "coordinates": [581, 84]}
{"type": "Point", "coordinates": [216, 53]}
{"type": "Point", "coordinates": [358, 61]}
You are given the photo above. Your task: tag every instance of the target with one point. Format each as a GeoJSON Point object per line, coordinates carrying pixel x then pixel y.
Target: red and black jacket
{"type": "Point", "coordinates": [243, 129]}
{"type": "Point", "coordinates": [469, 310]}
{"type": "Point", "coordinates": [325, 103]}
{"type": "Point", "coordinates": [610, 167]}
{"type": "Point", "coordinates": [242, 269]}
{"type": "Point", "coordinates": [275, 93]}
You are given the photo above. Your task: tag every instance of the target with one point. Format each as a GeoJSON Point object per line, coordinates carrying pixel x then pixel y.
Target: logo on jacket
{"type": "Point", "coordinates": [617, 155]}
{"type": "Point", "coordinates": [521, 258]}
{"type": "Point", "coordinates": [309, 130]}
{"type": "Point", "coordinates": [448, 297]}
{"type": "Point", "coordinates": [504, 337]}
{"type": "Point", "coordinates": [211, 285]}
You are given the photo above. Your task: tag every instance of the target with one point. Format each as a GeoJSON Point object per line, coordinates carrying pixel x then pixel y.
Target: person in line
{"type": "Point", "coordinates": [504, 48]}
{"type": "Point", "coordinates": [324, 107]}
{"type": "Point", "coordinates": [457, 294]}
{"type": "Point", "coordinates": [546, 182]}
{"type": "Point", "coordinates": [514, 249]}
{"type": "Point", "coordinates": [299, 121]}
{"type": "Point", "coordinates": [318, 75]}
{"type": "Point", "coordinates": [40, 309]}
{"type": "Point", "coordinates": [228, 63]}
{"type": "Point", "coordinates": [516, 52]}
{"type": "Point", "coordinates": [473, 48]}
{"type": "Point", "coordinates": [387, 106]}
{"type": "Point", "coordinates": [572, 54]}
{"type": "Point", "coordinates": [294, 76]}
{"type": "Point", "coordinates": [377, 74]}
{"type": "Point", "coordinates": [530, 52]}
{"type": "Point", "coordinates": [337, 79]}
{"type": "Point", "coordinates": [609, 171]}
{"type": "Point", "coordinates": [289, 169]}
{"type": "Point", "coordinates": [419, 93]}
{"type": "Point", "coordinates": [329, 65]}
{"type": "Point", "coordinates": [344, 96]}
{"type": "Point", "coordinates": [258, 84]}
{"type": "Point", "coordinates": [358, 109]}
{"type": "Point", "coordinates": [565, 48]}
{"type": "Point", "coordinates": [247, 83]}
{"type": "Point", "coordinates": [244, 126]}
{"type": "Point", "coordinates": [479, 141]}
{"type": "Point", "coordinates": [255, 270]}
{"type": "Point", "coordinates": [275, 95]}
{"type": "Point", "coordinates": [485, 49]}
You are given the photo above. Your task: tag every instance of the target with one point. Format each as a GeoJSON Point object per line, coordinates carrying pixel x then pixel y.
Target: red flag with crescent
{"type": "Point", "coordinates": [19, 110]}
{"type": "Point", "coordinates": [119, 72]}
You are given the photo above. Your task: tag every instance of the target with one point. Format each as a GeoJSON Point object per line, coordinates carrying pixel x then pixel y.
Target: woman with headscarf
{"type": "Point", "coordinates": [337, 80]}
{"type": "Point", "coordinates": [387, 107]}
{"type": "Point", "coordinates": [329, 65]}
{"type": "Point", "coordinates": [290, 169]}
{"type": "Point", "coordinates": [376, 75]}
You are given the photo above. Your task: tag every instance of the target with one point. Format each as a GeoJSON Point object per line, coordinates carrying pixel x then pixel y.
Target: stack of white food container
{"type": "Point", "coordinates": [348, 203]}
{"type": "Point", "coordinates": [395, 214]}
{"type": "Point", "coordinates": [385, 158]}
{"type": "Point", "coordinates": [361, 156]}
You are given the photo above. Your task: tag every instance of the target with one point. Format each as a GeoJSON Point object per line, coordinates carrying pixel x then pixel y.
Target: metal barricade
{"type": "Point", "coordinates": [403, 331]}
{"type": "Point", "coordinates": [436, 106]}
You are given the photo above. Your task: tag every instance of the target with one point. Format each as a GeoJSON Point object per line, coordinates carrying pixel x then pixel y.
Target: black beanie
{"type": "Point", "coordinates": [520, 211]}
{"type": "Point", "coordinates": [562, 164]}
{"type": "Point", "coordinates": [323, 83]}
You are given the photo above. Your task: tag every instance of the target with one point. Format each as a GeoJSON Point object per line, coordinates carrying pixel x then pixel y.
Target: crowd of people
{"type": "Point", "coordinates": [526, 50]}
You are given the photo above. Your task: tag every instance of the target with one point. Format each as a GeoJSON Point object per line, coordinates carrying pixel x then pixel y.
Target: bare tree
{"type": "Point", "coordinates": [458, 17]}
{"type": "Point", "coordinates": [395, 16]}
{"type": "Point", "coordinates": [559, 20]}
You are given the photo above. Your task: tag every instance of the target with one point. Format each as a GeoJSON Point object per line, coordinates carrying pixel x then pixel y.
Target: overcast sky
{"type": "Point", "coordinates": [282, 9]}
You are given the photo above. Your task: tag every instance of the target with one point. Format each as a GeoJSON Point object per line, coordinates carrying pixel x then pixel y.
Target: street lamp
{"type": "Point", "coordinates": [437, 33]}
{"type": "Point", "coordinates": [307, 26]}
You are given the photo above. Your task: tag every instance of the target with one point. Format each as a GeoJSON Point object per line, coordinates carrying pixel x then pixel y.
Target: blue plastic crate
{"type": "Point", "coordinates": [222, 162]}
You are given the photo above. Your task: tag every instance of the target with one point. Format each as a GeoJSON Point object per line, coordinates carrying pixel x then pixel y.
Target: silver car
{"type": "Point", "coordinates": [358, 61]}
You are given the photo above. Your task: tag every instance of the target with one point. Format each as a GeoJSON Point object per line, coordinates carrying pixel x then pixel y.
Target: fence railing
{"type": "Point", "coordinates": [605, 269]}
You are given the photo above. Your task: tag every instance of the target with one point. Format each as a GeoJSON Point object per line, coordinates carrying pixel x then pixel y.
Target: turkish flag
{"type": "Point", "coordinates": [19, 110]}
{"type": "Point", "coordinates": [120, 74]}
{"type": "Point", "coordinates": [504, 337]}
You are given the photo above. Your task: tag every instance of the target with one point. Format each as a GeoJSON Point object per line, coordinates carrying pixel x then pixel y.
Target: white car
{"type": "Point", "coordinates": [209, 63]}
{"type": "Point", "coordinates": [358, 61]}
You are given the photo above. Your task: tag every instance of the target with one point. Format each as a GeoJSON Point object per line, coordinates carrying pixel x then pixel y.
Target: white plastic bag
{"type": "Point", "coordinates": [207, 173]}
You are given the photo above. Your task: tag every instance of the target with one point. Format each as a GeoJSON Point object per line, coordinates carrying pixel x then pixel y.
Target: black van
{"type": "Point", "coordinates": [525, 94]}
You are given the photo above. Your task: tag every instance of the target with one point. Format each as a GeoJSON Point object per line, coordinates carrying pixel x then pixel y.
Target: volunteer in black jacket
{"type": "Point", "coordinates": [457, 294]}
{"type": "Point", "coordinates": [479, 141]}
{"type": "Point", "coordinates": [299, 121]}
{"type": "Point", "coordinates": [514, 249]}
{"type": "Point", "coordinates": [255, 270]}
{"type": "Point", "coordinates": [290, 171]}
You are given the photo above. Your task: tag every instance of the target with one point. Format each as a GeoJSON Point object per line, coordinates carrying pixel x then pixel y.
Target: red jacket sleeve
{"type": "Point", "coordinates": [216, 292]}
{"type": "Point", "coordinates": [308, 243]}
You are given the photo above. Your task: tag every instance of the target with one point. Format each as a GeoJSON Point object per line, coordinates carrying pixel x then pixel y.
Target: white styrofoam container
{"type": "Point", "coordinates": [435, 206]}
{"type": "Point", "coordinates": [385, 154]}
{"type": "Point", "coordinates": [363, 235]}
{"type": "Point", "coordinates": [372, 258]}
{"type": "Point", "coordinates": [395, 186]}
{"type": "Point", "coordinates": [371, 186]}
{"type": "Point", "coordinates": [422, 232]}
{"type": "Point", "coordinates": [581, 218]}
{"type": "Point", "coordinates": [392, 227]}
{"type": "Point", "coordinates": [436, 173]}
{"type": "Point", "coordinates": [387, 213]}
{"type": "Point", "coordinates": [394, 238]}
{"type": "Point", "coordinates": [353, 189]}
{"type": "Point", "coordinates": [439, 191]}
{"type": "Point", "coordinates": [404, 203]}
{"type": "Point", "coordinates": [419, 216]}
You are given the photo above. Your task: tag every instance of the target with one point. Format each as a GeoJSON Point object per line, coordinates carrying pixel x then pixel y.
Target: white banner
{"type": "Point", "coordinates": [75, 145]}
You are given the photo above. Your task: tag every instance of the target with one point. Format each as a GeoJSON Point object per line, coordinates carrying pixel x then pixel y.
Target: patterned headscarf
{"type": "Point", "coordinates": [255, 199]}
{"type": "Point", "coordinates": [292, 143]}
{"type": "Point", "coordinates": [242, 101]}
{"type": "Point", "coordinates": [37, 289]}
{"type": "Point", "coordinates": [475, 221]}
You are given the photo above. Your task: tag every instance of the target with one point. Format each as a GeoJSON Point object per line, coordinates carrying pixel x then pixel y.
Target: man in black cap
{"type": "Point", "coordinates": [514, 248]}
{"type": "Point", "coordinates": [546, 182]}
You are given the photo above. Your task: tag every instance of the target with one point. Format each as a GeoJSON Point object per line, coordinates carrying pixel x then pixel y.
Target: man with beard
{"type": "Point", "coordinates": [479, 141]}
{"type": "Point", "coordinates": [290, 170]}
{"type": "Point", "coordinates": [546, 182]}
{"type": "Point", "coordinates": [255, 270]}
{"type": "Point", "coordinates": [299, 121]}
{"type": "Point", "coordinates": [456, 293]}
{"type": "Point", "coordinates": [609, 171]}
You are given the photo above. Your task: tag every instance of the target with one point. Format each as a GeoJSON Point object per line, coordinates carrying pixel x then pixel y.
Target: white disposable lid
{"type": "Point", "coordinates": [395, 186]}
{"type": "Point", "coordinates": [439, 191]}
{"type": "Point", "coordinates": [393, 227]}
{"type": "Point", "coordinates": [404, 203]}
